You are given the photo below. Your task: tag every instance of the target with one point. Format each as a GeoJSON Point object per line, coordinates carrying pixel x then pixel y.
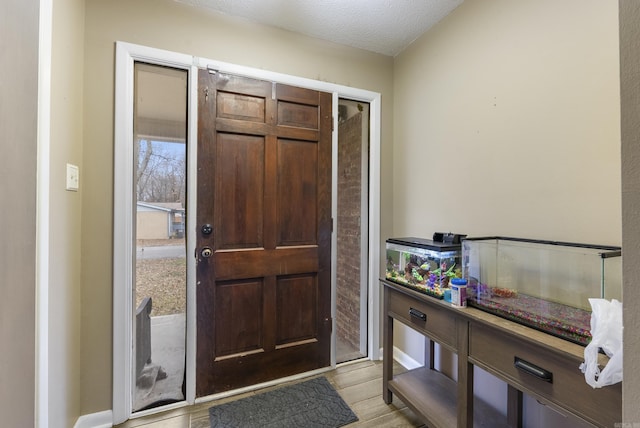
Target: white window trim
{"type": "Point", "coordinates": [123, 233]}
{"type": "Point", "coordinates": [123, 256]}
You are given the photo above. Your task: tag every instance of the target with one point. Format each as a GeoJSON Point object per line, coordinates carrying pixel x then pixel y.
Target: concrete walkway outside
{"type": "Point", "coordinates": [168, 354]}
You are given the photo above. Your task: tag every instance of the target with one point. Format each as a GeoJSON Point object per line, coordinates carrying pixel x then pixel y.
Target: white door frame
{"type": "Point", "coordinates": [41, 366]}
{"type": "Point", "coordinates": [123, 256]}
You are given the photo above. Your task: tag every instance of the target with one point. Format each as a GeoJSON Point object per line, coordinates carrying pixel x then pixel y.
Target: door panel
{"type": "Point", "coordinates": [297, 302]}
{"type": "Point", "coordinates": [239, 191]}
{"type": "Point", "coordinates": [264, 184]}
{"type": "Point", "coordinates": [241, 107]}
{"type": "Point", "coordinates": [233, 300]}
{"type": "Point", "coordinates": [250, 264]}
{"type": "Point", "coordinates": [297, 192]}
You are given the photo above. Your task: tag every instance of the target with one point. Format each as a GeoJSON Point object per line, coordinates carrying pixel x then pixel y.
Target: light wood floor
{"type": "Point", "coordinates": [359, 384]}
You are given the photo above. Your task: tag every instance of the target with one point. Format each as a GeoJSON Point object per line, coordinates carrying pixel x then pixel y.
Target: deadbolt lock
{"type": "Point", "coordinates": [206, 252]}
{"type": "Point", "coordinates": [206, 229]}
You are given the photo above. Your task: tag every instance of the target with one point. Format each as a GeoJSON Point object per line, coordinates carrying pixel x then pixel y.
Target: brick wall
{"type": "Point", "coordinates": [348, 225]}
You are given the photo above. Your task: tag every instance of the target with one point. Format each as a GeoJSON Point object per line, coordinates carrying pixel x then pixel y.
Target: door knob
{"type": "Point", "coordinates": [206, 252]}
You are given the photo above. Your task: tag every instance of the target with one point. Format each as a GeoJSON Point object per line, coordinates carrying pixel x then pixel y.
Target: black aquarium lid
{"type": "Point", "coordinates": [427, 244]}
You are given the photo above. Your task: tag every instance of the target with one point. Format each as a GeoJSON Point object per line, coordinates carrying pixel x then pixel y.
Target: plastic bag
{"type": "Point", "coordinates": [606, 334]}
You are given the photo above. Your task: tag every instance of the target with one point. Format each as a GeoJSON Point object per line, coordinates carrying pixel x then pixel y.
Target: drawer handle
{"type": "Point", "coordinates": [532, 369]}
{"type": "Point", "coordinates": [417, 314]}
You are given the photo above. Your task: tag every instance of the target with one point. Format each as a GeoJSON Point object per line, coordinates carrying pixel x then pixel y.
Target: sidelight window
{"type": "Point", "coordinates": [159, 286]}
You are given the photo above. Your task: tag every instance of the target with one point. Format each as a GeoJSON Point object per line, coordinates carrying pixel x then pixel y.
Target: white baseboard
{"type": "Point", "coordinates": [405, 360]}
{"type": "Point", "coordinates": [95, 420]}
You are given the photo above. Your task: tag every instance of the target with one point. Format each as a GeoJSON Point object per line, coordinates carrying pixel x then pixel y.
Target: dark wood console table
{"type": "Point", "coordinates": [529, 361]}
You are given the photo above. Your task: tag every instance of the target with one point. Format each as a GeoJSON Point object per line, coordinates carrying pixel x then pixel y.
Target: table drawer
{"type": "Point", "coordinates": [551, 375]}
{"type": "Point", "coordinates": [430, 319]}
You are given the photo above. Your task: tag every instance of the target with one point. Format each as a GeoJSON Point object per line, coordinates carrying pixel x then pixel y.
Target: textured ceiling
{"type": "Point", "coordinates": [382, 26]}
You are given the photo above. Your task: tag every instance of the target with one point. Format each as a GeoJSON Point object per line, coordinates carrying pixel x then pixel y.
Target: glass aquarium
{"type": "Point", "coordinates": [423, 265]}
{"type": "Point", "coordinates": [542, 284]}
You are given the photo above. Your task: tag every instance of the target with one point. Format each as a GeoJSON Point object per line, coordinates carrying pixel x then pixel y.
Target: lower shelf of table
{"type": "Point", "coordinates": [433, 397]}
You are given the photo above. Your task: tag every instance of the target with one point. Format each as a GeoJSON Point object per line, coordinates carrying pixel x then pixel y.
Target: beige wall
{"type": "Point", "coordinates": [630, 102]}
{"type": "Point", "coordinates": [168, 25]}
{"type": "Point", "coordinates": [507, 122]}
{"type": "Point", "coordinates": [18, 139]}
{"type": "Point", "coordinates": [65, 212]}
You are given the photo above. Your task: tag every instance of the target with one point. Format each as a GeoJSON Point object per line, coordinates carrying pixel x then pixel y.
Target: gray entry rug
{"type": "Point", "coordinates": [313, 403]}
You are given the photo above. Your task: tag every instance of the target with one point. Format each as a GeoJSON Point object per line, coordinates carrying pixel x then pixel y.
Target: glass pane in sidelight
{"type": "Point", "coordinates": [159, 288]}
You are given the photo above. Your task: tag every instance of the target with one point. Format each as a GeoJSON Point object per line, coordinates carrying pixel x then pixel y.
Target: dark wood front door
{"type": "Point", "coordinates": [264, 211]}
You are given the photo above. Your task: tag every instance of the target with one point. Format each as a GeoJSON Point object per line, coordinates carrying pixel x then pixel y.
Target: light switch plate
{"type": "Point", "coordinates": [73, 177]}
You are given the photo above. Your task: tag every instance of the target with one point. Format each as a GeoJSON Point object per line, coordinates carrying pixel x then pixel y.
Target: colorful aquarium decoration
{"type": "Point", "coordinates": [541, 284]}
{"type": "Point", "coordinates": [422, 264]}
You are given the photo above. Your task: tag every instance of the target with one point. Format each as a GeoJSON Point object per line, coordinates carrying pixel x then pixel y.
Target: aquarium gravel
{"type": "Point", "coordinates": [560, 320]}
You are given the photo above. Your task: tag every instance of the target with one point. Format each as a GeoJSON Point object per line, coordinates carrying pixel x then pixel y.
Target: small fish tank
{"type": "Point", "coordinates": [424, 265]}
{"type": "Point", "coordinates": [541, 284]}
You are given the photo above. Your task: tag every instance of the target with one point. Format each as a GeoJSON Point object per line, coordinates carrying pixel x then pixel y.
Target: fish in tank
{"type": "Point", "coordinates": [422, 264]}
